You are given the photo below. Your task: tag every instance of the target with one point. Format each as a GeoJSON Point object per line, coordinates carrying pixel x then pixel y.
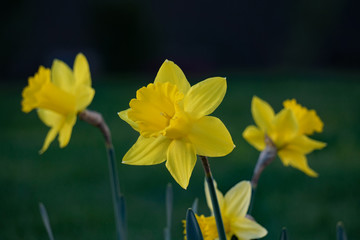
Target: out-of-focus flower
{"type": "Point", "coordinates": [287, 131]}
{"type": "Point", "coordinates": [172, 120]}
{"type": "Point", "coordinates": [233, 206]}
{"type": "Point", "coordinates": [59, 94]}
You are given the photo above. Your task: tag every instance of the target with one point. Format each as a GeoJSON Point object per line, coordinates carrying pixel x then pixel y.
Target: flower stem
{"type": "Point", "coordinates": [214, 200]}
{"type": "Point", "coordinates": [265, 158]}
{"type": "Point", "coordinates": [96, 119]}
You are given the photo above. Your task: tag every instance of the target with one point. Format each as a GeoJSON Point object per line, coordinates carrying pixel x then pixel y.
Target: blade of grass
{"type": "Point", "coordinates": [46, 220]}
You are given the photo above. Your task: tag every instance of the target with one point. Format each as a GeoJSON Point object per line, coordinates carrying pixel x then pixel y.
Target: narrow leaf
{"type": "Point", "coordinates": [283, 235]}
{"type": "Point", "coordinates": [193, 231]}
{"type": "Point", "coordinates": [195, 205]}
{"type": "Point", "coordinates": [340, 231]}
{"type": "Point", "coordinates": [46, 220]}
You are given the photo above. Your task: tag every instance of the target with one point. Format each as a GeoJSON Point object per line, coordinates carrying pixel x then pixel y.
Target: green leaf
{"type": "Point", "coordinates": [195, 205]}
{"type": "Point", "coordinates": [46, 220]}
{"type": "Point", "coordinates": [169, 207]}
{"type": "Point", "coordinates": [193, 231]}
{"type": "Point", "coordinates": [340, 231]}
{"type": "Point", "coordinates": [283, 235]}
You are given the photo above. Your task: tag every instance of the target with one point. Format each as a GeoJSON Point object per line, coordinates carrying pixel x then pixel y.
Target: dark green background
{"type": "Point", "coordinates": [73, 182]}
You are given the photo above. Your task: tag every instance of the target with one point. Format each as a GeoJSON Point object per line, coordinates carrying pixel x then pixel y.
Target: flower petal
{"type": "Point", "coordinates": [181, 159]}
{"type": "Point", "coordinates": [65, 130]}
{"type": "Point", "coordinates": [170, 72]}
{"type": "Point", "coordinates": [50, 118]}
{"type": "Point", "coordinates": [219, 196]}
{"type": "Point", "coordinates": [82, 71]}
{"type": "Point", "coordinates": [245, 228]}
{"type": "Point", "coordinates": [210, 137]}
{"type": "Point", "coordinates": [285, 128]}
{"type": "Point", "coordinates": [237, 199]}
{"type": "Point", "coordinates": [296, 160]}
{"type": "Point", "coordinates": [49, 138]}
{"type": "Point", "coordinates": [304, 144]}
{"type": "Point", "coordinates": [147, 151]}
{"type": "Point", "coordinates": [255, 137]}
{"type": "Point", "coordinates": [84, 96]}
{"type": "Point", "coordinates": [204, 97]}
{"type": "Point", "coordinates": [262, 113]}
{"type": "Point", "coordinates": [124, 116]}
{"type": "Point", "coordinates": [62, 76]}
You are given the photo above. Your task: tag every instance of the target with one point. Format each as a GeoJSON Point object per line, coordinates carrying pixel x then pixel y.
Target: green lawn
{"type": "Point", "coordinates": [73, 182]}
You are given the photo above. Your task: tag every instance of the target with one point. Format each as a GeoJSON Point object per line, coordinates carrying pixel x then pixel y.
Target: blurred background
{"type": "Point", "coordinates": [308, 50]}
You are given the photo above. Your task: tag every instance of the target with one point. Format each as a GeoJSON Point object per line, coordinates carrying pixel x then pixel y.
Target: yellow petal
{"type": "Point", "coordinates": [50, 118]}
{"type": "Point", "coordinates": [219, 196]}
{"type": "Point", "coordinates": [285, 128]}
{"type": "Point", "coordinates": [82, 71]}
{"type": "Point", "coordinates": [170, 72]}
{"type": "Point", "coordinates": [245, 228]}
{"type": "Point", "coordinates": [84, 95]}
{"type": "Point", "coordinates": [237, 199]}
{"type": "Point", "coordinates": [203, 98]}
{"type": "Point", "coordinates": [65, 130]}
{"type": "Point", "coordinates": [255, 137]}
{"type": "Point", "coordinates": [62, 76]}
{"type": "Point", "coordinates": [296, 160]}
{"type": "Point", "coordinates": [210, 137]}
{"type": "Point", "coordinates": [49, 138]}
{"type": "Point", "coordinates": [304, 144]}
{"type": "Point", "coordinates": [124, 116]}
{"type": "Point", "coordinates": [147, 151]}
{"type": "Point", "coordinates": [262, 113]}
{"type": "Point", "coordinates": [181, 159]}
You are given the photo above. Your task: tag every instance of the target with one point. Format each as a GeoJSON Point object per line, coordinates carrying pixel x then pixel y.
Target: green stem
{"type": "Point", "coordinates": [265, 158]}
{"type": "Point", "coordinates": [118, 200]}
{"type": "Point", "coordinates": [214, 200]}
{"type": "Point", "coordinates": [96, 119]}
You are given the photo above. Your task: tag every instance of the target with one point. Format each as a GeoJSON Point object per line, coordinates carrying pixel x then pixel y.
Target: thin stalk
{"type": "Point", "coordinates": [96, 119]}
{"type": "Point", "coordinates": [265, 158]}
{"type": "Point", "coordinates": [214, 200]}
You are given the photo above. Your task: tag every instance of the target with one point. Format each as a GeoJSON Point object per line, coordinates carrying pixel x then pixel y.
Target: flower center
{"type": "Point", "coordinates": [155, 109]}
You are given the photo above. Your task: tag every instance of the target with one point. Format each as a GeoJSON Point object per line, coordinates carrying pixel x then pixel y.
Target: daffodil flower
{"type": "Point", "coordinates": [59, 94]}
{"type": "Point", "coordinates": [234, 206]}
{"type": "Point", "coordinates": [287, 131]}
{"type": "Point", "coordinates": [172, 120]}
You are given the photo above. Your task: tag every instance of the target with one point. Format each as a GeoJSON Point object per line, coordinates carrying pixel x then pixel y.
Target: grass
{"type": "Point", "coordinates": [73, 182]}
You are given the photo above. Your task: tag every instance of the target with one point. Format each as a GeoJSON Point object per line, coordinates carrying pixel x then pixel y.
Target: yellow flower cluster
{"type": "Point", "coordinates": [233, 206]}
{"type": "Point", "coordinates": [59, 94]}
{"type": "Point", "coordinates": [171, 117]}
{"type": "Point", "coordinates": [288, 130]}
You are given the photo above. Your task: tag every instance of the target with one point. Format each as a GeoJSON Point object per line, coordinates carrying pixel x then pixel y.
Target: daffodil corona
{"type": "Point", "coordinates": [287, 131]}
{"type": "Point", "coordinates": [234, 206]}
{"type": "Point", "coordinates": [172, 120]}
{"type": "Point", "coordinates": [59, 94]}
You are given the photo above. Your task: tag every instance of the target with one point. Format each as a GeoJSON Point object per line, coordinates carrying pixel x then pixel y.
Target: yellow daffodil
{"type": "Point", "coordinates": [287, 131]}
{"type": "Point", "coordinates": [59, 94]}
{"type": "Point", "coordinates": [233, 206]}
{"type": "Point", "coordinates": [172, 120]}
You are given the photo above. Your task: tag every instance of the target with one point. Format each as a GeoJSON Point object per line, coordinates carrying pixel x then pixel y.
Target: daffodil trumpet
{"type": "Point", "coordinates": [214, 200]}
{"type": "Point", "coordinates": [96, 119]}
